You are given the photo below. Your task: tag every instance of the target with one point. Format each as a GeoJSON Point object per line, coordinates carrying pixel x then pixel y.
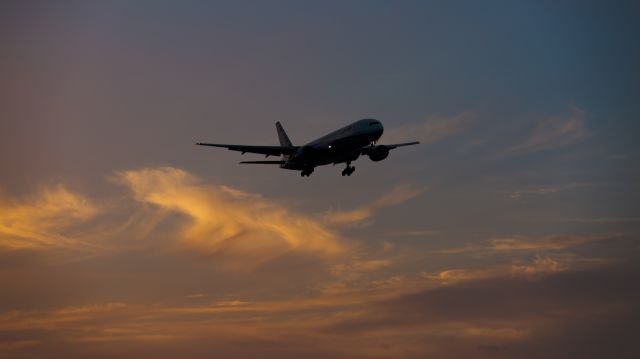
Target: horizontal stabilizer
{"type": "Point", "coordinates": [263, 162]}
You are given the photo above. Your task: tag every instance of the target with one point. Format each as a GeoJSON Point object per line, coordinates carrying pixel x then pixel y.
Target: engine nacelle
{"type": "Point", "coordinates": [378, 153]}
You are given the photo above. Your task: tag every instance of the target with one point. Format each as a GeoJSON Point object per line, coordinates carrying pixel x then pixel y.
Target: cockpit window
{"type": "Point", "coordinates": [372, 123]}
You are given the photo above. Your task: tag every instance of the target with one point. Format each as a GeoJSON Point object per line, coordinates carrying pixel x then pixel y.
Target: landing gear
{"type": "Point", "coordinates": [307, 172]}
{"type": "Point", "coordinates": [349, 170]}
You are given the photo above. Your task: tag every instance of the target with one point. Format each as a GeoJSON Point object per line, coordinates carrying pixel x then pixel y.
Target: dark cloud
{"type": "Point", "coordinates": [586, 314]}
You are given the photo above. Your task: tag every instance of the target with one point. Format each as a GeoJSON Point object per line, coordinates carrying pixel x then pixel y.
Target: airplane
{"type": "Point", "coordinates": [344, 145]}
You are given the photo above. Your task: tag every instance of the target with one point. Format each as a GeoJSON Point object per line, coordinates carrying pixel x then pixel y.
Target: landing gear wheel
{"type": "Point", "coordinates": [306, 172]}
{"type": "Point", "coordinates": [348, 171]}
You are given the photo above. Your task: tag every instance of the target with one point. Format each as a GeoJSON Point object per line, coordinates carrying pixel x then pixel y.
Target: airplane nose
{"type": "Point", "coordinates": [378, 130]}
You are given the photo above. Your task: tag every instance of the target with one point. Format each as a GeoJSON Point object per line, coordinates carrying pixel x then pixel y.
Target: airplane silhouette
{"type": "Point", "coordinates": [344, 145]}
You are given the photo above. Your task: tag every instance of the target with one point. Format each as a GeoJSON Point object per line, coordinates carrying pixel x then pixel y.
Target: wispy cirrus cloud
{"type": "Point", "coordinates": [226, 222]}
{"type": "Point", "coordinates": [239, 229]}
{"type": "Point", "coordinates": [431, 130]}
{"type": "Point", "coordinates": [553, 132]}
{"type": "Point", "coordinates": [547, 190]}
{"type": "Point", "coordinates": [606, 220]}
{"type": "Point", "coordinates": [553, 242]}
{"type": "Point", "coordinates": [539, 265]}
{"type": "Point", "coordinates": [528, 243]}
{"type": "Point", "coordinates": [211, 220]}
{"type": "Point", "coordinates": [359, 215]}
{"type": "Point", "coordinates": [41, 220]}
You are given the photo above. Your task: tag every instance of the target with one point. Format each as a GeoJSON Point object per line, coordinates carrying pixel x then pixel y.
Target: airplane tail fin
{"type": "Point", "coordinates": [282, 136]}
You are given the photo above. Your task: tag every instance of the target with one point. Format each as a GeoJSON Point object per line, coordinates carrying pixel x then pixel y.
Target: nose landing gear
{"type": "Point", "coordinates": [307, 172]}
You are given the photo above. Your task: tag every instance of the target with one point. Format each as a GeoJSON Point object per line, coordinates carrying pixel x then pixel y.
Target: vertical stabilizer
{"type": "Point", "coordinates": [282, 136]}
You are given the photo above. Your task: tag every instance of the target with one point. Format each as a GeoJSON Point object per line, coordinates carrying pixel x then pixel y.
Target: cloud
{"type": "Point", "coordinates": [13, 345]}
{"type": "Point", "coordinates": [540, 265]}
{"type": "Point", "coordinates": [414, 233]}
{"type": "Point", "coordinates": [432, 130]}
{"type": "Point", "coordinates": [500, 333]}
{"type": "Point", "coordinates": [225, 222]}
{"type": "Point", "coordinates": [450, 276]}
{"type": "Point", "coordinates": [397, 195]}
{"type": "Point", "coordinates": [241, 229]}
{"type": "Point", "coordinates": [513, 313]}
{"type": "Point", "coordinates": [524, 243]}
{"type": "Point", "coordinates": [606, 220]}
{"type": "Point", "coordinates": [213, 220]}
{"type": "Point", "coordinates": [354, 304]}
{"type": "Point", "coordinates": [354, 270]}
{"type": "Point", "coordinates": [402, 317]}
{"type": "Point", "coordinates": [39, 221]}
{"type": "Point", "coordinates": [553, 133]}
{"type": "Point", "coordinates": [554, 242]}
{"type": "Point", "coordinates": [540, 191]}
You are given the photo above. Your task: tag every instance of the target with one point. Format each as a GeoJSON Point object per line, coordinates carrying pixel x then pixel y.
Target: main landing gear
{"type": "Point", "coordinates": [349, 170]}
{"type": "Point", "coordinates": [307, 172]}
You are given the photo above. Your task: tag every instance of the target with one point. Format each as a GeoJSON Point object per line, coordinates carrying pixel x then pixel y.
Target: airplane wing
{"type": "Point", "coordinates": [402, 144]}
{"type": "Point", "coordinates": [263, 162]}
{"type": "Point", "coordinates": [265, 150]}
{"type": "Point", "coordinates": [367, 149]}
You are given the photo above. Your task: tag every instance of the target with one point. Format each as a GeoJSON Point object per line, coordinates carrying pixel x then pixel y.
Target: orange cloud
{"type": "Point", "coordinates": [540, 265]}
{"type": "Point", "coordinates": [13, 345]}
{"type": "Point", "coordinates": [419, 318]}
{"type": "Point", "coordinates": [242, 230]}
{"type": "Point", "coordinates": [354, 299]}
{"type": "Point", "coordinates": [451, 276]}
{"type": "Point", "coordinates": [360, 267]}
{"type": "Point", "coordinates": [397, 195]}
{"type": "Point", "coordinates": [40, 221]}
{"type": "Point", "coordinates": [224, 221]}
{"type": "Point", "coordinates": [523, 243]}
{"type": "Point", "coordinates": [213, 220]}
{"type": "Point", "coordinates": [500, 333]}
{"type": "Point", "coordinates": [548, 242]}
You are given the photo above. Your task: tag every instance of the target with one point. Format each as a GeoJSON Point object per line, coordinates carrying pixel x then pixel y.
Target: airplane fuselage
{"type": "Point", "coordinates": [339, 146]}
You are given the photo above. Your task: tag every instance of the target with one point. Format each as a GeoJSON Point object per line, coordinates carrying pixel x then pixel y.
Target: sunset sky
{"type": "Point", "coordinates": [511, 231]}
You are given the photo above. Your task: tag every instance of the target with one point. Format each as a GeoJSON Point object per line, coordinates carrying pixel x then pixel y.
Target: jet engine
{"type": "Point", "coordinates": [378, 153]}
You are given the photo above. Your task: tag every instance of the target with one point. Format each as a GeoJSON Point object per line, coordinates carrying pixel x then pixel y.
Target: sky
{"type": "Point", "coordinates": [511, 231]}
